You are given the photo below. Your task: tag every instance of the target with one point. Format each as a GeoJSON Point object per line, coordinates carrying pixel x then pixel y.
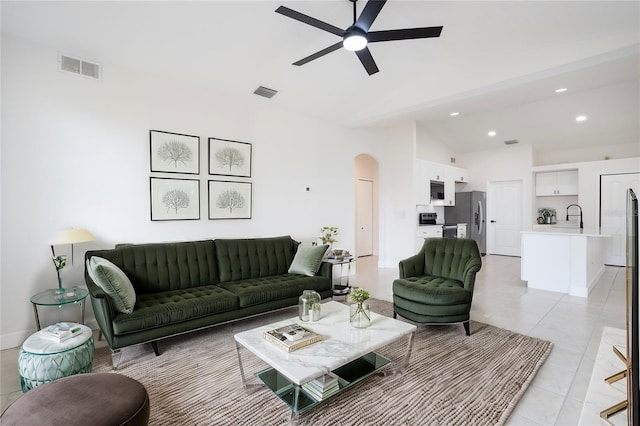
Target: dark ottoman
{"type": "Point", "coordinates": [98, 399]}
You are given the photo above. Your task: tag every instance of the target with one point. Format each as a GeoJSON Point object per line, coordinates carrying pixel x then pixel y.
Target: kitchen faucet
{"type": "Point", "coordinates": [578, 206]}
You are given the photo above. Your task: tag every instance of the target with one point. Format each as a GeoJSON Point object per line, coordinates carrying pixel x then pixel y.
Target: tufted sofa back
{"type": "Point", "coordinates": [450, 257]}
{"type": "Point", "coordinates": [240, 259]}
{"type": "Point", "coordinates": [165, 266]}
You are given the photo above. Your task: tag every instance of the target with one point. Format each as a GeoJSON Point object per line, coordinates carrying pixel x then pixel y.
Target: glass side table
{"type": "Point", "coordinates": [53, 297]}
{"type": "Point", "coordinates": [342, 288]}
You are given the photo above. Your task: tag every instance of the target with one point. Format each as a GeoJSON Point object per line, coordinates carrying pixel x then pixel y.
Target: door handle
{"type": "Point", "coordinates": [493, 221]}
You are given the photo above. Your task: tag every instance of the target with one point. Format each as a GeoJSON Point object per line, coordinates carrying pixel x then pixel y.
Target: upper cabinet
{"type": "Point", "coordinates": [458, 174]}
{"type": "Point", "coordinates": [436, 183]}
{"type": "Point", "coordinates": [563, 182]}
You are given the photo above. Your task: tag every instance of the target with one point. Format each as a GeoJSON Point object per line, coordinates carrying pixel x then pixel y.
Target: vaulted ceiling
{"type": "Point", "coordinates": [497, 63]}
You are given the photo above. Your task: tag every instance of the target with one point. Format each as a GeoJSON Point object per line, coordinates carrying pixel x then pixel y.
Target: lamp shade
{"type": "Point", "coordinates": [72, 236]}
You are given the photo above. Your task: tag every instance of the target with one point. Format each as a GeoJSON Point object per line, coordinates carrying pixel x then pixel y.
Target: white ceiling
{"type": "Point", "coordinates": [496, 62]}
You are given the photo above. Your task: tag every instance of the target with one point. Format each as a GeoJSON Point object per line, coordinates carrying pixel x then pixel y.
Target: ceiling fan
{"type": "Point", "coordinates": [356, 37]}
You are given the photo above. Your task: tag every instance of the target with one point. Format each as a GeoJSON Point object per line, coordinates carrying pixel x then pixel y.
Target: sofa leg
{"type": "Point", "coordinates": [466, 328]}
{"type": "Point", "coordinates": [154, 344]}
{"type": "Point", "coordinates": [115, 358]}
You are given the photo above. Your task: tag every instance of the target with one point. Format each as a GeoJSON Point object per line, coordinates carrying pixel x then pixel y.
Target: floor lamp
{"type": "Point", "coordinates": [68, 236]}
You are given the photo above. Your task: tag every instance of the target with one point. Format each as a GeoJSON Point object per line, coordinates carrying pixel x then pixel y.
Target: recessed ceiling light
{"type": "Point", "coordinates": [581, 118]}
{"type": "Point", "coordinates": [492, 133]}
{"type": "Point", "coordinates": [560, 90]}
{"type": "Point", "coordinates": [453, 114]}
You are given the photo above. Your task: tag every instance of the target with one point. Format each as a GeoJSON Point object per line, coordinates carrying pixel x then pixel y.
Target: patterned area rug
{"type": "Point", "coordinates": [452, 379]}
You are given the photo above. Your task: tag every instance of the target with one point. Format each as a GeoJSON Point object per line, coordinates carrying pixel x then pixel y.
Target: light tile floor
{"type": "Point", "coordinates": [573, 324]}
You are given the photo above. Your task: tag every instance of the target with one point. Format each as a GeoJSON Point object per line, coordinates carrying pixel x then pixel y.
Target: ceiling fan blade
{"type": "Point", "coordinates": [317, 55]}
{"type": "Point", "coordinates": [405, 34]}
{"type": "Point", "coordinates": [309, 20]}
{"type": "Point", "coordinates": [367, 60]}
{"type": "Point", "coordinates": [369, 14]}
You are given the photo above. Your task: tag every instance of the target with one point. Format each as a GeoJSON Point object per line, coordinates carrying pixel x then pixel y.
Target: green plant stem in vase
{"type": "Point", "coordinates": [359, 312]}
{"type": "Point", "coordinates": [59, 262]}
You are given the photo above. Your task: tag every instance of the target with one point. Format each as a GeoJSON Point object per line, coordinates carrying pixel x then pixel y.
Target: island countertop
{"type": "Point", "coordinates": [559, 230]}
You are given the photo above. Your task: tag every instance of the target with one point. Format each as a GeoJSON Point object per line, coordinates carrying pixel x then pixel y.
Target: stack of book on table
{"type": "Point", "coordinates": [322, 387]}
{"type": "Point", "coordinates": [61, 331]}
{"type": "Point", "coordinates": [292, 337]}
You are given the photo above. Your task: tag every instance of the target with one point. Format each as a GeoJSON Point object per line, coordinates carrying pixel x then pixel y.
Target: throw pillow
{"type": "Point", "coordinates": [307, 260]}
{"type": "Point", "coordinates": [114, 282]}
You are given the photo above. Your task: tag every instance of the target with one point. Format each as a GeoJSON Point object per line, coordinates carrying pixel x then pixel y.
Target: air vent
{"type": "Point", "coordinates": [265, 92]}
{"type": "Point", "coordinates": [79, 67]}
{"type": "Point", "coordinates": [511, 142]}
{"type": "Point", "coordinates": [453, 160]}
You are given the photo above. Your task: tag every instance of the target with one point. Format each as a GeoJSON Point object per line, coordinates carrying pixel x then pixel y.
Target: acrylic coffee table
{"type": "Point", "coordinates": [346, 351]}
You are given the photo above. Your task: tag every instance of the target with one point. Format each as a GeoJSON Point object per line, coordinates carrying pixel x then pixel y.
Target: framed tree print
{"type": "Point", "coordinates": [229, 200]}
{"type": "Point", "coordinates": [174, 152]}
{"type": "Point", "coordinates": [175, 199]}
{"type": "Point", "coordinates": [229, 158]}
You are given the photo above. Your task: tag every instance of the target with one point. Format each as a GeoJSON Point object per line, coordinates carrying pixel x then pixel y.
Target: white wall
{"type": "Point", "coordinates": [428, 147]}
{"type": "Point", "coordinates": [605, 151]}
{"type": "Point", "coordinates": [75, 153]}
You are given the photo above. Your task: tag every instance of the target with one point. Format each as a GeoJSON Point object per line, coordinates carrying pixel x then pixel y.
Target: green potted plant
{"type": "Point", "coordinates": [328, 234]}
{"type": "Point", "coordinates": [359, 311]}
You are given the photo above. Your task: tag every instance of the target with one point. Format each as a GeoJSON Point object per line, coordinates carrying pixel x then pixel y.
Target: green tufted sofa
{"type": "Point", "coordinates": [436, 285]}
{"type": "Point", "coordinates": [185, 286]}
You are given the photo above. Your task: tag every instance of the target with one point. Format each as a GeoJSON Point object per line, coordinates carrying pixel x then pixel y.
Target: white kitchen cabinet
{"type": "Point", "coordinates": [462, 230]}
{"type": "Point", "coordinates": [422, 182]}
{"type": "Point", "coordinates": [427, 231]}
{"type": "Point", "coordinates": [459, 175]}
{"type": "Point", "coordinates": [563, 182]}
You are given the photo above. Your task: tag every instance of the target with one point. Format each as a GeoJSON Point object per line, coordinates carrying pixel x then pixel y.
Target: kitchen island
{"type": "Point", "coordinates": [566, 260]}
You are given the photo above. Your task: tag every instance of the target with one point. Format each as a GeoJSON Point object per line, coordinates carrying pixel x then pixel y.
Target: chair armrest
{"type": "Point", "coordinates": [412, 266]}
{"type": "Point", "coordinates": [472, 267]}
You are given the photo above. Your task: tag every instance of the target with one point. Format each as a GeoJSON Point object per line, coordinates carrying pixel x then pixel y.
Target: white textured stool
{"type": "Point", "coordinates": [43, 360]}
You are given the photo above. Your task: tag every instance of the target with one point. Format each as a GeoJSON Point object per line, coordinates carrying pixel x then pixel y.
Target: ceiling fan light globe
{"type": "Point", "coordinates": [354, 42]}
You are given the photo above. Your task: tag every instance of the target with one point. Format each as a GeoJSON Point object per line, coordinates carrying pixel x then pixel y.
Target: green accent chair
{"type": "Point", "coordinates": [436, 285]}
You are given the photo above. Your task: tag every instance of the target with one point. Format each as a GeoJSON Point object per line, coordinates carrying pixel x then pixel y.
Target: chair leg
{"type": "Point", "coordinates": [154, 344]}
{"type": "Point", "coordinates": [395, 315]}
{"type": "Point", "coordinates": [466, 328]}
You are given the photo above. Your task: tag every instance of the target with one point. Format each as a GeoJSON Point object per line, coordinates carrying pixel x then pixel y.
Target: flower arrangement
{"type": "Point", "coordinates": [59, 262]}
{"type": "Point", "coordinates": [327, 234]}
{"type": "Point", "coordinates": [359, 296]}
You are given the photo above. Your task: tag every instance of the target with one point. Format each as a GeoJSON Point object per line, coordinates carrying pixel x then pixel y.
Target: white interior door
{"type": "Point", "coordinates": [613, 204]}
{"type": "Point", "coordinates": [504, 217]}
{"type": "Point", "coordinates": [364, 217]}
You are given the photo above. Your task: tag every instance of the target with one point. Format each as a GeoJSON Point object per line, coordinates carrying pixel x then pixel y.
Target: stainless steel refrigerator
{"type": "Point", "coordinates": [470, 208]}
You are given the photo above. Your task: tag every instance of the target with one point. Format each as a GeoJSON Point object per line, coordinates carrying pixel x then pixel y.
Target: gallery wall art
{"type": "Point", "coordinates": [229, 200]}
{"type": "Point", "coordinates": [229, 158]}
{"type": "Point", "coordinates": [175, 199]}
{"type": "Point", "coordinates": [174, 152]}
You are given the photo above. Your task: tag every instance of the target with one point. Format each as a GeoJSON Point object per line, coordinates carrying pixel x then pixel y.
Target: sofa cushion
{"type": "Point", "coordinates": [159, 267]}
{"type": "Point", "coordinates": [165, 308]}
{"type": "Point", "coordinates": [432, 290]}
{"type": "Point", "coordinates": [245, 258]}
{"type": "Point", "coordinates": [266, 289]}
{"type": "Point", "coordinates": [307, 260]}
{"type": "Point", "coordinates": [114, 282]}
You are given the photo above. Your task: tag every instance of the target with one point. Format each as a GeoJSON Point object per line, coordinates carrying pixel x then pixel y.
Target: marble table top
{"type": "Point", "coordinates": [341, 343]}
